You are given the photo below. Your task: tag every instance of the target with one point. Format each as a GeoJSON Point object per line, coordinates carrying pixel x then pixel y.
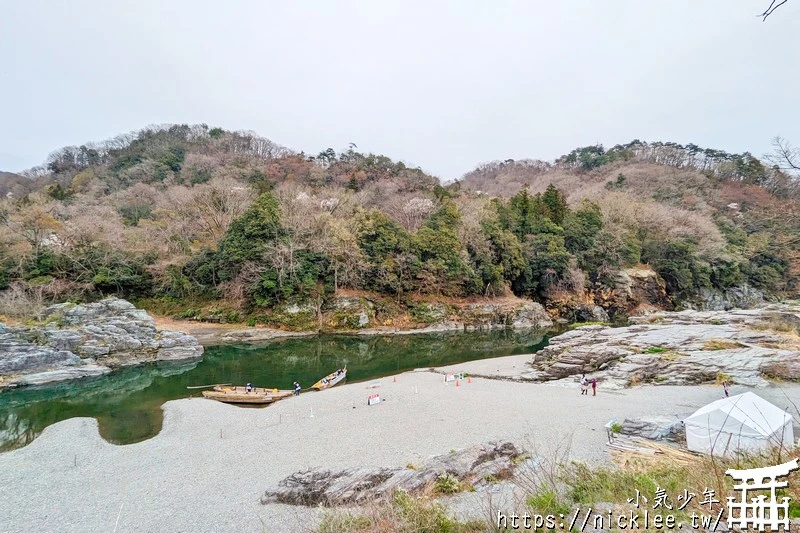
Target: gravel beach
{"type": "Point", "coordinates": [208, 467]}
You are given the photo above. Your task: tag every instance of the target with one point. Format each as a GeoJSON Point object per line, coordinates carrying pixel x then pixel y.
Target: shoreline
{"type": "Point", "coordinates": [211, 334]}
{"type": "Point", "coordinates": [209, 465]}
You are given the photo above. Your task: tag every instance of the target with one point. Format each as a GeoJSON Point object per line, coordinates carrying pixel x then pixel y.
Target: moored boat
{"type": "Point", "coordinates": [256, 395]}
{"type": "Point", "coordinates": [331, 379]}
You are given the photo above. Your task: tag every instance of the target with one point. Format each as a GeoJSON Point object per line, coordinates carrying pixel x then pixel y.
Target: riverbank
{"type": "Point", "coordinates": [359, 313]}
{"type": "Point", "coordinates": [211, 334]}
{"type": "Point", "coordinates": [210, 464]}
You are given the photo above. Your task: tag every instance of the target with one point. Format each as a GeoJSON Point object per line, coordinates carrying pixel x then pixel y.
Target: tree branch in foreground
{"type": "Point", "coordinates": [771, 9]}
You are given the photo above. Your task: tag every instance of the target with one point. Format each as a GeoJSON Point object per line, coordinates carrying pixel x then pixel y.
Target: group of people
{"type": "Point", "coordinates": [338, 373]}
{"type": "Point", "coordinates": [585, 383]}
{"type": "Point", "coordinates": [249, 388]}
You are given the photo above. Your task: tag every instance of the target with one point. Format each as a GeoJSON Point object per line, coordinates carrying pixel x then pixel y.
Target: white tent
{"type": "Point", "coordinates": [745, 422]}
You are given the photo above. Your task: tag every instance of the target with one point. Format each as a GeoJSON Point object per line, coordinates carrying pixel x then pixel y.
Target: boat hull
{"type": "Point", "coordinates": [333, 379]}
{"type": "Point", "coordinates": [224, 397]}
{"type": "Point", "coordinates": [256, 396]}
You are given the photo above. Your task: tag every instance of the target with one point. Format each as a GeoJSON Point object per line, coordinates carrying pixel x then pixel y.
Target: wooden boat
{"type": "Point", "coordinates": [330, 380]}
{"type": "Point", "coordinates": [257, 395]}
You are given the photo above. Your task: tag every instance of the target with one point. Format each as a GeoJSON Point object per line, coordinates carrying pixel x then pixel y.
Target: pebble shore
{"type": "Point", "coordinates": [208, 467]}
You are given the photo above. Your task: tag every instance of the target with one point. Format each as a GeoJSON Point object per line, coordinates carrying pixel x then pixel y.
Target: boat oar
{"type": "Point", "coordinates": [207, 386]}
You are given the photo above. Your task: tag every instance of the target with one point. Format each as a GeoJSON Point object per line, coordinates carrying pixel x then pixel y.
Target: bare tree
{"type": "Point", "coordinates": [775, 4]}
{"type": "Point", "coordinates": [785, 156]}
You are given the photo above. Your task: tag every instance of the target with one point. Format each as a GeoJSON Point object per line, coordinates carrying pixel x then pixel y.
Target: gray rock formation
{"type": "Point", "coordinates": [352, 313]}
{"type": "Point", "coordinates": [744, 297]}
{"type": "Point", "coordinates": [473, 316]}
{"type": "Point", "coordinates": [256, 335]}
{"type": "Point", "coordinates": [654, 428]}
{"type": "Point", "coordinates": [499, 316]}
{"type": "Point", "coordinates": [77, 341]}
{"type": "Point", "coordinates": [358, 485]}
{"type": "Point", "coordinates": [678, 348]}
{"type": "Point", "coordinates": [590, 313]}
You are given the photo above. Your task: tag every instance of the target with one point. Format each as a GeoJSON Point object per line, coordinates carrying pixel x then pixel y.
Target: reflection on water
{"type": "Point", "coordinates": [127, 403]}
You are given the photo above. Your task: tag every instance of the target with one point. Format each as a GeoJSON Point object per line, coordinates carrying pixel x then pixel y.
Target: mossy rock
{"type": "Point", "coordinates": [302, 321]}
{"type": "Point", "coordinates": [428, 313]}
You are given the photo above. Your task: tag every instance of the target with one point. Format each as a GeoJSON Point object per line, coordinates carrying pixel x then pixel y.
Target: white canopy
{"type": "Point", "coordinates": [744, 422]}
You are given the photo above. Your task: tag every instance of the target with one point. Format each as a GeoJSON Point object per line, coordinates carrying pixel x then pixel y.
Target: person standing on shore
{"type": "Point", "coordinates": [584, 386]}
{"type": "Point", "coordinates": [296, 389]}
{"type": "Point", "coordinates": [594, 386]}
{"type": "Point", "coordinates": [725, 387]}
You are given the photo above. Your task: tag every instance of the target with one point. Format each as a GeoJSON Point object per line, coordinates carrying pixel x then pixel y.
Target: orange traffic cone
{"type": "Point", "coordinates": [469, 379]}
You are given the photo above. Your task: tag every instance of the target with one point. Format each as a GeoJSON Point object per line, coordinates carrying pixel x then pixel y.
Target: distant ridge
{"type": "Point", "coordinates": [14, 183]}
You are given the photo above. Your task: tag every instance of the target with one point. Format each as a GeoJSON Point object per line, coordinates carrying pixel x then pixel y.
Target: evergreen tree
{"type": "Point", "coordinates": [248, 236]}
{"type": "Point", "coordinates": [556, 204]}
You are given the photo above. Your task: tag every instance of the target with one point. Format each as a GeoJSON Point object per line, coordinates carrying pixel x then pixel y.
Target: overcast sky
{"type": "Point", "coordinates": [442, 85]}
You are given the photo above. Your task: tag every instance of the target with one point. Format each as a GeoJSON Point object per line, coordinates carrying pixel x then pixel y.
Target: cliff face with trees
{"type": "Point", "coordinates": [188, 217]}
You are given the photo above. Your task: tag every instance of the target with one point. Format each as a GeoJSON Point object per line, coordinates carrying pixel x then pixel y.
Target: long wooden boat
{"type": "Point", "coordinates": [257, 395]}
{"type": "Point", "coordinates": [331, 379]}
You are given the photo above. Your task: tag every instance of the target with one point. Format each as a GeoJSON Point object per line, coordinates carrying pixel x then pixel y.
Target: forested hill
{"type": "Point", "coordinates": [188, 216]}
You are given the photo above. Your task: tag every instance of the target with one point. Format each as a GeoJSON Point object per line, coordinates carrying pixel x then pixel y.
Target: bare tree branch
{"type": "Point", "coordinates": [771, 9]}
{"type": "Point", "coordinates": [785, 157]}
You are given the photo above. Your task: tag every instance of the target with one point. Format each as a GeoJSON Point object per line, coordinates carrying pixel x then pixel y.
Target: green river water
{"type": "Point", "coordinates": [127, 403]}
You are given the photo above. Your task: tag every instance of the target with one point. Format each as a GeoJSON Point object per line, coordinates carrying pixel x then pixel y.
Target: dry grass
{"type": "Point", "coordinates": [671, 355]}
{"type": "Point", "coordinates": [721, 344]}
{"type": "Point", "coordinates": [555, 484]}
{"type": "Point", "coordinates": [780, 371]}
{"type": "Point", "coordinates": [787, 331]}
{"type": "Point", "coordinates": [402, 513]}
{"type": "Point", "coordinates": [677, 469]}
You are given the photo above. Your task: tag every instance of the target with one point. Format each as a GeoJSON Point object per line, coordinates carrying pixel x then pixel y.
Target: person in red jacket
{"type": "Point", "coordinates": [594, 386]}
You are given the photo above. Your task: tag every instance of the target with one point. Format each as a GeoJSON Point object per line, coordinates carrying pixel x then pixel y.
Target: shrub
{"type": "Point", "coordinates": [189, 313]}
{"type": "Point", "coordinates": [20, 301]}
{"type": "Point", "coordinates": [447, 484]}
{"type": "Point", "coordinates": [655, 349]}
{"type": "Point", "coordinates": [546, 501]}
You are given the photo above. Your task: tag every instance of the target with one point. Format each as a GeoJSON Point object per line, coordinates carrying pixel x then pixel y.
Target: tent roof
{"type": "Point", "coordinates": [747, 409]}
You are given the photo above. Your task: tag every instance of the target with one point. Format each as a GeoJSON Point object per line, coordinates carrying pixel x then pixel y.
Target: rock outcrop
{"type": "Point", "coordinates": [678, 348]}
{"type": "Point", "coordinates": [358, 485]}
{"type": "Point", "coordinates": [654, 428]}
{"type": "Point", "coordinates": [498, 316]}
{"type": "Point", "coordinates": [76, 341]}
{"type": "Point", "coordinates": [636, 290]}
{"type": "Point", "coordinates": [351, 313]}
{"type": "Point", "coordinates": [744, 297]}
{"type": "Point", "coordinates": [438, 317]}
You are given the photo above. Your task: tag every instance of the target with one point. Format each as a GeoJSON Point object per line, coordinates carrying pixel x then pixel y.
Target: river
{"type": "Point", "coordinates": [127, 403]}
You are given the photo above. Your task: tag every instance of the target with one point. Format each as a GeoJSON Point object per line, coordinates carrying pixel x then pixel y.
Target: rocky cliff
{"type": "Point", "coordinates": [687, 347]}
{"type": "Point", "coordinates": [76, 341]}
